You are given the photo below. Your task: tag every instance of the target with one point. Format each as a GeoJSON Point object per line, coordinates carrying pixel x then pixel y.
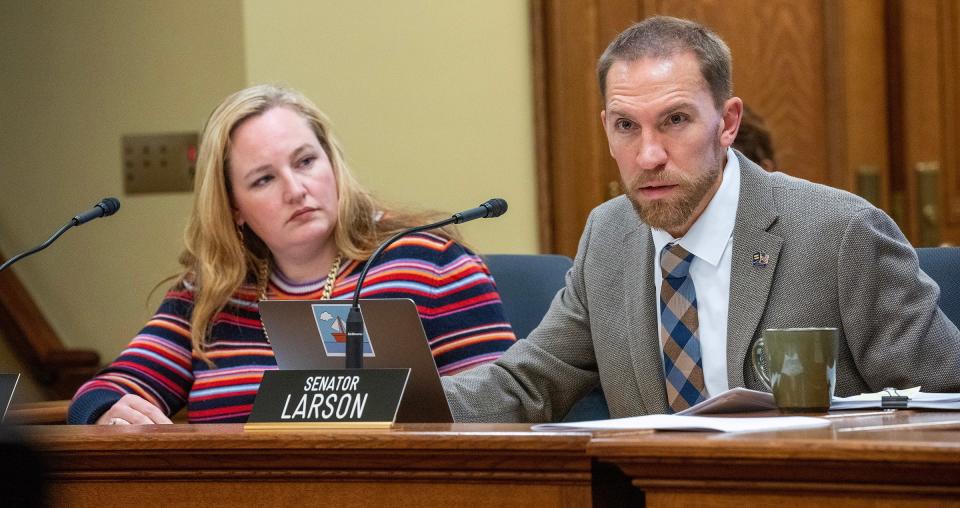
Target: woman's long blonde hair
{"type": "Point", "coordinates": [217, 259]}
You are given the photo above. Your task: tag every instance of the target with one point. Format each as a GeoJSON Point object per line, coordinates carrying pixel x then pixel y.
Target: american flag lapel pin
{"type": "Point", "coordinates": [761, 259]}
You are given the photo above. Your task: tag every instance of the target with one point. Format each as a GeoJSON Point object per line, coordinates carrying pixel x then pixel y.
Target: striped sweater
{"type": "Point", "coordinates": [451, 287]}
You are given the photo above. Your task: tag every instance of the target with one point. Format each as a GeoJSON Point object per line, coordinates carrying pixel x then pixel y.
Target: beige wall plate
{"type": "Point", "coordinates": [159, 162]}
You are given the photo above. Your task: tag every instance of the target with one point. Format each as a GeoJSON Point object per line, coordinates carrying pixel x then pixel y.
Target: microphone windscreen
{"type": "Point", "coordinates": [496, 207]}
{"type": "Point", "coordinates": [109, 206]}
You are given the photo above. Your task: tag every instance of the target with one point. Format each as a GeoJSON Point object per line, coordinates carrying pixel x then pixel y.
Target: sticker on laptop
{"type": "Point", "coordinates": [332, 324]}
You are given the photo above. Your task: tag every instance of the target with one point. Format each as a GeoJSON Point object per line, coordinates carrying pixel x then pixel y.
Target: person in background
{"type": "Point", "coordinates": [277, 214]}
{"type": "Point", "coordinates": [675, 281]}
{"type": "Point", "coordinates": [754, 140]}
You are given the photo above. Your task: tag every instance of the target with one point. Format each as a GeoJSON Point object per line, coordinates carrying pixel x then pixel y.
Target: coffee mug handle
{"type": "Point", "coordinates": [759, 362]}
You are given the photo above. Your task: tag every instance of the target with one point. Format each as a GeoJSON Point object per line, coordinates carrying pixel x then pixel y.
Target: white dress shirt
{"type": "Point", "coordinates": [710, 239]}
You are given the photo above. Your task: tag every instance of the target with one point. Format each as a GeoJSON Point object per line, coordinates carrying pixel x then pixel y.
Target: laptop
{"type": "Point", "coordinates": [311, 334]}
{"type": "Point", "coordinates": [8, 383]}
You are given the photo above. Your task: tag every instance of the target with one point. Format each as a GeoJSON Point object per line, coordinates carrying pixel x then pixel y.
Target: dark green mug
{"type": "Point", "coordinates": [799, 365]}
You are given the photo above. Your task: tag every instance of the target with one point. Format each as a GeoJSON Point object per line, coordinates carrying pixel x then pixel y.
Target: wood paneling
{"type": "Point", "coordinates": [918, 126]}
{"type": "Point", "coordinates": [925, 96]}
{"type": "Point", "coordinates": [778, 69]}
{"type": "Point", "coordinates": [503, 465]}
{"type": "Point", "coordinates": [574, 164]}
{"type": "Point", "coordinates": [222, 465]}
{"type": "Point", "coordinates": [792, 62]}
{"type": "Point", "coordinates": [950, 193]}
{"type": "Point", "coordinates": [834, 466]}
{"type": "Point", "coordinates": [857, 94]}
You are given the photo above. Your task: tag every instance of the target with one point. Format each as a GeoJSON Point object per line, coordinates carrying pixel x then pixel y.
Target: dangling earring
{"type": "Point", "coordinates": [240, 233]}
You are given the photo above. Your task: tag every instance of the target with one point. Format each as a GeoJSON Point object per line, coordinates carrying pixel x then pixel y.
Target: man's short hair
{"type": "Point", "coordinates": [664, 36]}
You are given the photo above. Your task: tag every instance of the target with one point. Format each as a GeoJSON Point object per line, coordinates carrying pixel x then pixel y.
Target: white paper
{"type": "Point", "coordinates": [734, 400]}
{"type": "Point", "coordinates": [694, 423]}
{"type": "Point", "coordinates": [918, 400]}
{"type": "Point", "coordinates": [743, 400]}
{"type": "Point", "coordinates": [909, 392]}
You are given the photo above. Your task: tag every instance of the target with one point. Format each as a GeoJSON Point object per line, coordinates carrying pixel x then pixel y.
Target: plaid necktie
{"type": "Point", "coordinates": [679, 330]}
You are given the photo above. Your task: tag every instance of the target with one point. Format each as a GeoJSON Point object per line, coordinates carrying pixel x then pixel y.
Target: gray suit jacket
{"type": "Point", "coordinates": [834, 261]}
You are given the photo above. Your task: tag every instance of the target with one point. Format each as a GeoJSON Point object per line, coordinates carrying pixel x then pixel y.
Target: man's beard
{"type": "Point", "coordinates": [671, 213]}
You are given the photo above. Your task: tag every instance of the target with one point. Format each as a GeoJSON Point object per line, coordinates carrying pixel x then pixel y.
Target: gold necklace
{"type": "Point", "coordinates": [263, 278]}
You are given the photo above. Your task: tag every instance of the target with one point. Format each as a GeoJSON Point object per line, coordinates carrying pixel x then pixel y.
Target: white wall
{"type": "Point", "coordinates": [75, 77]}
{"type": "Point", "coordinates": [432, 100]}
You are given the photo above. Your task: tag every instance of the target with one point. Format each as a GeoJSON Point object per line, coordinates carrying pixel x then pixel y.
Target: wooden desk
{"type": "Point", "coordinates": [822, 467]}
{"type": "Point", "coordinates": [464, 465]}
{"type": "Point", "coordinates": [44, 413]}
{"type": "Point", "coordinates": [221, 465]}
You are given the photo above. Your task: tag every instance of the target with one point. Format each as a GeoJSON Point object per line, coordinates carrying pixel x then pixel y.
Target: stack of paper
{"type": "Point", "coordinates": [916, 400]}
{"type": "Point", "coordinates": [743, 400]}
{"type": "Point", "coordinates": [698, 423]}
{"type": "Point", "coordinates": [734, 400]}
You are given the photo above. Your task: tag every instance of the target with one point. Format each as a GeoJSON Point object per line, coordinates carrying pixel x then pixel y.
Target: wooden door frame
{"type": "Point", "coordinates": [566, 40]}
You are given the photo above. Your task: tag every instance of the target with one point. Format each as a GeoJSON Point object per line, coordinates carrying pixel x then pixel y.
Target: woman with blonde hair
{"type": "Point", "coordinates": [278, 215]}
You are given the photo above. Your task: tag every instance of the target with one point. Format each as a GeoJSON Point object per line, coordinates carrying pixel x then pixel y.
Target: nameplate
{"type": "Point", "coordinates": [345, 398]}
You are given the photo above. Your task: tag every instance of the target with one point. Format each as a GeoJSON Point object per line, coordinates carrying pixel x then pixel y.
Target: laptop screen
{"type": "Point", "coordinates": [8, 383]}
{"type": "Point", "coordinates": [310, 334]}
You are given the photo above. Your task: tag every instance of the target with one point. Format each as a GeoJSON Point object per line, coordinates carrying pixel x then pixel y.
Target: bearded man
{"type": "Point", "coordinates": [674, 281]}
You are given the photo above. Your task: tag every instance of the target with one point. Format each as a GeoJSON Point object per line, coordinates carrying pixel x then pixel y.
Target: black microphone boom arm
{"type": "Point", "coordinates": [354, 354]}
{"type": "Point", "coordinates": [106, 207]}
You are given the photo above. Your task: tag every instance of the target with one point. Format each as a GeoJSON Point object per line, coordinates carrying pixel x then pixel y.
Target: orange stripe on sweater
{"type": "Point", "coordinates": [478, 339]}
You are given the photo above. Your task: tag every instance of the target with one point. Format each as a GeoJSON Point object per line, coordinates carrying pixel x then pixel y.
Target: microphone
{"type": "Point", "coordinates": [492, 208]}
{"type": "Point", "coordinates": [106, 207]}
{"type": "Point", "coordinates": [354, 355]}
